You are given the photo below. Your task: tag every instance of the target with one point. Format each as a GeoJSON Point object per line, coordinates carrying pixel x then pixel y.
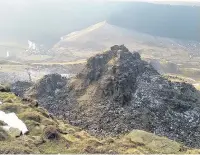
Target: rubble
{"type": "Point", "coordinates": [117, 92]}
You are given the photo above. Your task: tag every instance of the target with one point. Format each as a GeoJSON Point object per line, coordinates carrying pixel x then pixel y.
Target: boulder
{"type": "Point", "coordinates": [14, 132]}
{"type": "Point", "coordinates": [51, 133]}
{"type": "Point", "coordinates": [3, 134]}
{"type": "Point", "coordinates": [153, 142]}
{"type": "Point", "coordinates": [20, 87]}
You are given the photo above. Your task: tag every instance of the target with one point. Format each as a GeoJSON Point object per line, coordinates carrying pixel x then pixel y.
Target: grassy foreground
{"type": "Point", "coordinates": [48, 134]}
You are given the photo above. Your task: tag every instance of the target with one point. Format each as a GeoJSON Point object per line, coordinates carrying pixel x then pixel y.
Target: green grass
{"type": "Point", "coordinates": [61, 63]}
{"type": "Point", "coordinates": [154, 143]}
{"type": "Point", "coordinates": [9, 96]}
{"type": "Point", "coordinates": [13, 107]}
{"type": "Point", "coordinates": [70, 139]}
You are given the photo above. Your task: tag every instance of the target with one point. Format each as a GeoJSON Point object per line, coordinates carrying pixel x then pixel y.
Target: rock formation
{"type": "Point", "coordinates": [117, 92]}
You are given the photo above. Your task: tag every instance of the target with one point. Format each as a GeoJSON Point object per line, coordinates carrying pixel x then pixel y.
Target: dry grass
{"type": "Point", "coordinates": [61, 63]}
{"type": "Point", "coordinates": [7, 68]}
{"type": "Point", "coordinates": [71, 139]}
{"type": "Point", "coordinates": [197, 86]}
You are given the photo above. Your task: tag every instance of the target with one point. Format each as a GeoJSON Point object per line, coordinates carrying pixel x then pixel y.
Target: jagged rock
{"type": "Point", "coordinates": [20, 87]}
{"type": "Point", "coordinates": [49, 85]}
{"type": "Point", "coordinates": [117, 92]}
{"type": "Point", "coordinates": [50, 92]}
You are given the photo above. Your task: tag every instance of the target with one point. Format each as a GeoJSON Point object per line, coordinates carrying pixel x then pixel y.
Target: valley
{"type": "Point", "coordinates": [167, 55]}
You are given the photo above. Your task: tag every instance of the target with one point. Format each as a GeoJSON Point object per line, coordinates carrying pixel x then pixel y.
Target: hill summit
{"type": "Point", "coordinates": [117, 92]}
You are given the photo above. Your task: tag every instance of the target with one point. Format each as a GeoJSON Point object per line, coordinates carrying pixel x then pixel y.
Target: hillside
{"type": "Point", "coordinates": [101, 36]}
{"type": "Point", "coordinates": [158, 20]}
{"type": "Point", "coordinates": [168, 55]}
{"type": "Point", "coordinates": [99, 77]}
{"type": "Point", "coordinates": [50, 135]}
{"type": "Point", "coordinates": [117, 92]}
{"type": "Point", "coordinates": [91, 40]}
{"type": "Point", "coordinates": [28, 21]}
{"type": "Point", "coordinates": [164, 20]}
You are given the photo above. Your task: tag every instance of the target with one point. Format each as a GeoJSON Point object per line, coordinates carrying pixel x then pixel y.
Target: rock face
{"type": "Point", "coordinates": [117, 92]}
{"type": "Point", "coordinates": [50, 92]}
{"type": "Point", "coordinates": [20, 87]}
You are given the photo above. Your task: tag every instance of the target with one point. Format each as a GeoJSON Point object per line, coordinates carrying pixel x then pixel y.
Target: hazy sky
{"type": "Point", "coordinates": [28, 19]}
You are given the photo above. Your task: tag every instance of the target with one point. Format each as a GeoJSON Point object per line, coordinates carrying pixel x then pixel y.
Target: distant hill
{"type": "Point", "coordinates": [102, 35]}
{"type": "Point", "coordinates": [44, 22]}
{"type": "Point", "coordinates": [172, 21]}
{"type": "Point", "coordinates": [98, 37]}
{"type": "Point", "coordinates": [95, 38]}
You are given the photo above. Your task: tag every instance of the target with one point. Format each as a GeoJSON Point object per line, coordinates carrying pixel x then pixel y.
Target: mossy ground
{"type": "Point", "coordinates": [51, 136]}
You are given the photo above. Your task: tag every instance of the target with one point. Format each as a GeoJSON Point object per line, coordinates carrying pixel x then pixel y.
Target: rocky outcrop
{"type": "Point", "coordinates": [48, 86]}
{"type": "Point", "coordinates": [117, 92]}
{"type": "Point", "coordinates": [20, 87]}
{"type": "Point", "coordinates": [51, 92]}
